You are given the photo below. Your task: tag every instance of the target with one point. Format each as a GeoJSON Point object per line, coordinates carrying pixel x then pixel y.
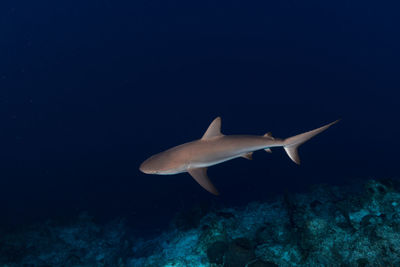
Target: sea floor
{"type": "Point", "coordinates": [357, 225]}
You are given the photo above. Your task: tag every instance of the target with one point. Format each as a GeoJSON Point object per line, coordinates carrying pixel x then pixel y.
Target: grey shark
{"type": "Point", "coordinates": [214, 148]}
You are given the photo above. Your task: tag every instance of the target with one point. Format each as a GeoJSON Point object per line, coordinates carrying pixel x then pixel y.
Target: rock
{"type": "Point", "coordinates": [239, 253]}
{"type": "Point", "coordinates": [216, 252]}
{"type": "Point", "coordinates": [226, 215]}
{"type": "Point", "coordinates": [338, 227]}
{"type": "Point", "coordinates": [376, 189]}
{"type": "Point", "coordinates": [363, 262]}
{"type": "Point", "coordinates": [260, 263]}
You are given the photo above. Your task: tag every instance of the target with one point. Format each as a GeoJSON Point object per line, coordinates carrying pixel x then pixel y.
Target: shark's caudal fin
{"type": "Point", "coordinates": [291, 144]}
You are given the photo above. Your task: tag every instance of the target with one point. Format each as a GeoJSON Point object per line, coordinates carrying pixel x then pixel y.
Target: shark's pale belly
{"type": "Point", "coordinates": [210, 163]}
{"type": "Point", "coordinates": [209, 153]}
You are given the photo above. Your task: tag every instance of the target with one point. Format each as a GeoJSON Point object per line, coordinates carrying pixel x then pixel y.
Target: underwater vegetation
{"type": "Point", "coordinates": [354, 225]}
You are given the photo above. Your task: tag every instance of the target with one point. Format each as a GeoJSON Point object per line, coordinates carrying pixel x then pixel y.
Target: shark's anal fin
{"type": "Point", "coordinates": [200, 175]}
{"type": "Point", "coordinates": [248, 156]}
{"type": "Point", "coordinates": [214, 129]}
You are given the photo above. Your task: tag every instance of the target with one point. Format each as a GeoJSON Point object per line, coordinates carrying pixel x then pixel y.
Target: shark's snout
{"type": "Point", "coordinates": [141, 168]}
{"type": "Point", "coordinates": [148, 166]}
{"type": "Point", "coordinates": [161, 164]}
{"type": "Point", "coordinates": [144, 168]}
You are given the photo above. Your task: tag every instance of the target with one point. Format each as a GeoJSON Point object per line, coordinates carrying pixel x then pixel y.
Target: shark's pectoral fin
{"type": "Point", "coordinates": [200, 175]}
{"type": "Point", "coordinates": [248, 156]}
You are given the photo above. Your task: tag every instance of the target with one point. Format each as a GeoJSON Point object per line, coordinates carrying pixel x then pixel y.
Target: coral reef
{"type": "Point", "coordinates": [81, 243]}
{"type": "Point", "coordinates": [328, 226]}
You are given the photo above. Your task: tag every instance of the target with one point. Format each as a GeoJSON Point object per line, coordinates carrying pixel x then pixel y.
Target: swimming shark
{"type": "Point", "coordinates": [214, 148]}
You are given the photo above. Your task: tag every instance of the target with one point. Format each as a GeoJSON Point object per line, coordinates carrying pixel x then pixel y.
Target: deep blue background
{"type": "Point", "coordinates": [89, 89]}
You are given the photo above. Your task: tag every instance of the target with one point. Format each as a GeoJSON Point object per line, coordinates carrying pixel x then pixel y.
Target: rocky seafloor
{"type": "Point", "coordinates": [356, 225]}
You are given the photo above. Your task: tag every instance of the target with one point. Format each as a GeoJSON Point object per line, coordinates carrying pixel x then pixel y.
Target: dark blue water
{"type": "Point", "coordinates": [89, 89]}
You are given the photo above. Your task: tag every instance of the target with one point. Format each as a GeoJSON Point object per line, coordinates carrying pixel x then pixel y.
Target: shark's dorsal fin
{"type": "Point", "coordinates": [269, 134]}
{"type": "Point", "coordinates": [248, 156]}
{"type": "Point", "coordinates": [200, 175]}
{"type": "Point", "coordinates": [214, 129]}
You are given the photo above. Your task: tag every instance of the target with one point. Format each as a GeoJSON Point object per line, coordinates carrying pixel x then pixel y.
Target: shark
{"type": "Point", "coordinates": [214, 148]}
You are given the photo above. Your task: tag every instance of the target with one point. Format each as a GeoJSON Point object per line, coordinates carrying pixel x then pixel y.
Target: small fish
{"type": "Point", "coordinates": [214, 148]}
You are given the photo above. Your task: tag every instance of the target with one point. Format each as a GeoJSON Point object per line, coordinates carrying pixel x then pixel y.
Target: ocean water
{"type": "Point", "coordinates": [89, 90]}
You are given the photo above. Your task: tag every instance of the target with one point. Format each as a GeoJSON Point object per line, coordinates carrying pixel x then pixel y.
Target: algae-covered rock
{"type": "Point", "coordinates": [329, 226]}
{"type": "Point", "coordinates": [239, 253]}
{"type": "Point", "coordinates": [216, 252]}
{"type": "Point", "coordinates": [79, 243]}
{"type": "Point", "coordinates": [260, 263]}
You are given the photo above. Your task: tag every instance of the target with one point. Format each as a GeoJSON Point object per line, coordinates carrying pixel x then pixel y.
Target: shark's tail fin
{"type": "Point", "coordinates": [291, 144]}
